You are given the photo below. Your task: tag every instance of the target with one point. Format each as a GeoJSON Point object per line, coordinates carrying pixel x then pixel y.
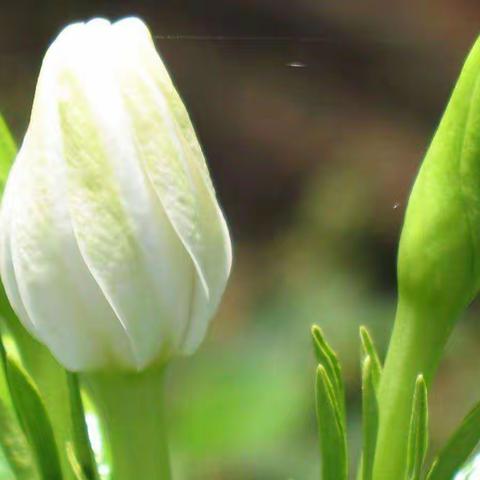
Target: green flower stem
{"type": "Point", "coordinates": [416, 346]}
{"type": "Point", "coordinates": [131, 411]}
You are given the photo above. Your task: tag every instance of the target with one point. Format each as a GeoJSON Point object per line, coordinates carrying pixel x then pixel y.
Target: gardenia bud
{"type": "Point", "coordinates": [114, 251]}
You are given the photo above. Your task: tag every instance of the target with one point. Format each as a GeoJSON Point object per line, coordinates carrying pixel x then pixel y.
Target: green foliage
{"type": "Point", "coordinates": [78, 469]}
{"type": "Point", "coordinates": [6, 472]}
{"type": "Point", "coordinates": [330, 406]}
{"type": "Point", "coordinates": [12, 439]}
{"type": "Point", "coordinates": [328, 359]}
{"type": "Point", "coordinates": [332, 433]}
{"type": "Point", "coordinates": [458, 448]}
{"type": "Point", "coordinates": [369, 350]}
{"type": "Point", "coordinates": [438, 262]}
{"type": "Point", "coordinates": [439, 251]}
{"type": "Point", "coordinates": [8, 151]}
{"type": "Point", "coordinates": [418, 432]}
{"type": "Point", "coordinates": [369, 417]}
{"type": "Point", "coordinates": [32, 416]}
{"type": "Point", "coordinates": [50, 379]}
{"type": "Point", "coordinates": [371, 373]}
{"type": "Point", "coordinates": [333, 444]}
{"type": "Point", "coordinates": [80, 453]}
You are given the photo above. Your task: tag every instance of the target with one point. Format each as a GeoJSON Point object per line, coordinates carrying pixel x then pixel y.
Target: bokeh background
{"type": "Point", "coordinates": [314, 116]}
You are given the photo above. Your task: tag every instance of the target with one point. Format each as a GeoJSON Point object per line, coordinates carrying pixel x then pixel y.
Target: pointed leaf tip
{"type": "Point", "coordinates": [326, 357]}
{"type": "Point", "coordinates": [8, 150]}
{"type": "Point", "coordinates": [368, 349]}
{"type": "Point", "coordinates": [418, 432]}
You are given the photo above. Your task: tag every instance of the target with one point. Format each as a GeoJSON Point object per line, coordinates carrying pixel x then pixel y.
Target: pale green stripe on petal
{"type": "Point", "coordinates": [150, 290]}
{"type": "Point", "coordinates": [47, 259]}
{"type": "Point", "coordinates": [108, 243]}
{"type": "Point", "coordinates": [174, 163]}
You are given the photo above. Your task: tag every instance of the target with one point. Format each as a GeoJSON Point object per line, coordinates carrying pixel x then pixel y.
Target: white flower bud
{"type": "Point", "coordinates": [114, 251]}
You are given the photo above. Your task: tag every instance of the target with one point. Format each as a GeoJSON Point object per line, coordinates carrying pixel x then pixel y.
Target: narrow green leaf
{"type": "Point", "coordinates": [8, 150]}
{"type": "Point", "coordinates": [369, 417]}
{"type": "Point", "coordinates": [77, 469]}
{"type": "Point", "coordinates": [50, 377]}
{"type": "Point", "coordinates": [328, 358]}
{"type": "Point", "coordinates": [15, 446]}
{"type": "Point", "coordinates": [32, 417]}
{"type": "Point", "coordinates": [418, 433]}
{"type": "Point", "coordinates": [458, 448]}
{"type": "Point", "coordinates": [368, 349]}
{"type": "Point", "coordinates": [12, 439]}
{"type": "Point", "coordinates": [333, 442]}
{"type": "Point", "coordinates": [82, 450]}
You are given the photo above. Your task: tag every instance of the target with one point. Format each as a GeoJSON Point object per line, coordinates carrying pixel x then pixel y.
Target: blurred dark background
{"type": "Point", "coordinates": [314, 116]}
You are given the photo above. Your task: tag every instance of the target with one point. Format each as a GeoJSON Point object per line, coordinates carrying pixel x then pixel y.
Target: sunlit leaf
{"type": "Point", "coordinates": [15, 446]}
{"type": "Point", "coordinates": [458, 448]}
{"type": "Point", "coordinates": [32, 417]}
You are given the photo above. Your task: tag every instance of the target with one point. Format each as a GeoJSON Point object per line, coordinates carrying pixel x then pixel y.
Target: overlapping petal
{"type": "Point", "coordinates": [113, 248]}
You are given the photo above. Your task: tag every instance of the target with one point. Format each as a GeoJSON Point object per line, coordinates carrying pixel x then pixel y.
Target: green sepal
{"type": "Point", "coordinates": [8, 150]}
{"type": "Point", "coordinates": [80, 447]}
{"type": "Point", "coordinates": [418, 432]}
{"type": "Point", "coordinates": [327, 357]}
{"type": "Point", "coordinates": [458, 448]}
{"type": "Point", "coordinates": [333, 441]}
{"type": "Point", "coordinates": [32, 416]}
{"type": "Point", "coordinates": [368, 349]}
{"type": "Point", "coordinates": [369, 417]}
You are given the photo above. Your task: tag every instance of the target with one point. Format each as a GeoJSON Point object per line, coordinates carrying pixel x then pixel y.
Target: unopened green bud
{"type": "Point", "coordinates": [438, 263]}
{"type": "Point", "coordinates": [439, 254]}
